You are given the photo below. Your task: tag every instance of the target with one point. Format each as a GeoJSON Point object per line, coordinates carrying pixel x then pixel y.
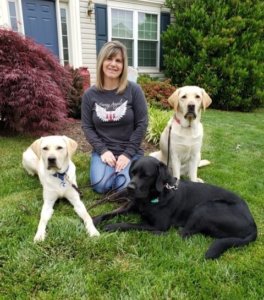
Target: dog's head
{"type": "Point", "coordinates": [148, 177]}
{"type": "Point", "coordinates": [54, 150]}
{"type": "Point", "coordinates": [189, 100]}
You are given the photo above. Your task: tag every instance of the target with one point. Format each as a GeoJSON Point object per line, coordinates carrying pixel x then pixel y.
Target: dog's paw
{"type": "Point", "coordinates": [111, 227]}
{"type": "Point", "coordinates": [39, 237]}
{"type": "Point", "coordinates": [93, 232]}
{"type": "Point", "coordinates": [199, 180]}
{"type": "Point", "coordinates": [31, 173]}
{"type": "Point", "coordinates": [97, 220]}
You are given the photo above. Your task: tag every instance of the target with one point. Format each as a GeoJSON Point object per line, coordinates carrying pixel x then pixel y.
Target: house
{"type": "Point", "coordinates": [75, 30]}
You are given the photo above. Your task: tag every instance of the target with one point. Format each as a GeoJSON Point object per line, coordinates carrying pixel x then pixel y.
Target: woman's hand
{"type": "Point", "coordinates": [108, 158]}
{"type": "Point", "coordinates": [122, 162]}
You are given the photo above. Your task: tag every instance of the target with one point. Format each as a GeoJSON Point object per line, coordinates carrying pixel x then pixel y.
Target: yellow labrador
{"type": "Point", "coordinates": [50, 158]}
{"type": "Point", "coordinates": [185, 132]}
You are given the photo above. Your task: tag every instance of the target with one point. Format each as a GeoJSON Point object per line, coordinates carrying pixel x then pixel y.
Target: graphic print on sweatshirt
{"type": "Point", "coordinates": [111, 112]}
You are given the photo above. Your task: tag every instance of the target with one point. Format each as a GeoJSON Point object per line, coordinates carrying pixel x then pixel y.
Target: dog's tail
{"type": "Point", "coordinates": [219, 246]}
{"type": "Point", "coordinates": [203, 163]}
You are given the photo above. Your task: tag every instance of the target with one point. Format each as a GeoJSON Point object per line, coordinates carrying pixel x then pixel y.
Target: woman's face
{"type": "Point", "coordinates": [113, 67]}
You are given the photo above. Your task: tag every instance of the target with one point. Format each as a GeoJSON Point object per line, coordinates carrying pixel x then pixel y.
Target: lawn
{"type": "Point", "coordinates": [131, 265]}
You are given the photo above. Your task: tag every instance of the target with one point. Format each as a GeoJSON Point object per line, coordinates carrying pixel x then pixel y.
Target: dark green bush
{"type": "Point", "coordinates": [218, 45]}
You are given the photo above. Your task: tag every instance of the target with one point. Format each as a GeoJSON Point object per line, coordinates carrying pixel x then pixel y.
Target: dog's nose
{"type": "Point", "coordinates": [52, 160]}
{"type": "Point", "coordinates": [191, 107]}
{"type": "Point", "coordinates": [131, 186]}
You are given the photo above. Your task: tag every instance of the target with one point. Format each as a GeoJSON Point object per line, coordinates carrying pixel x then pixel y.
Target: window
{"type": "Point", "coordinates": [139, 32]}
{"type": "Point", "coordinates": [64, 31]}
{"type": "Point", "coordinates": [147, 40]}
{"type": "Point", "coordinates": [13, 15]}
{"type": "Point", "coordinates": [122, 30]}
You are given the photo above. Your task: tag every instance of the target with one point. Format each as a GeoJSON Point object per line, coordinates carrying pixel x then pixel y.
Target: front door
{"type": "Point", "coordinates": [40, 23]}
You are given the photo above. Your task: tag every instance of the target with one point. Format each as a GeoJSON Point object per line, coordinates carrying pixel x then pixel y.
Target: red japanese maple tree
{"type": "Point", "coordinates": [33, 85]}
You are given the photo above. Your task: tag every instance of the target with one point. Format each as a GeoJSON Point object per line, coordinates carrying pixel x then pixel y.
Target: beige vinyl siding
{"type": "Point", "coordinates": [88, 39]}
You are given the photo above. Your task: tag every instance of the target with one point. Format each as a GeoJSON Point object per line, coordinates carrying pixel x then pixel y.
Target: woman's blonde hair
{"type": "Point", "coordinates": [110, 50]}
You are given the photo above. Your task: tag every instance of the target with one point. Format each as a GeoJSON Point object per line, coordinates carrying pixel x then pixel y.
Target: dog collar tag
{"type": "Point", "coordinates": [61, 176]}
{"type": "Point", "coordinates": [63, 183]}
{"type": "Point", "coordinates": [154, 201]}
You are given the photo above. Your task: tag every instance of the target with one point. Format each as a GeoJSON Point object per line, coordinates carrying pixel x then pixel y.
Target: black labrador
{"type": "Point", "coordinates": [164, 202]}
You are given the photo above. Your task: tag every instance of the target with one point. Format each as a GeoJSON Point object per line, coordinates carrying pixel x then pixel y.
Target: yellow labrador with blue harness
{"type": "Point", "coordinates": [50, 158]}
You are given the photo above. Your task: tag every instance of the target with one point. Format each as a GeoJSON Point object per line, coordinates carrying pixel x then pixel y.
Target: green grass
{"type": "Point", "coordinates": [132, 265]}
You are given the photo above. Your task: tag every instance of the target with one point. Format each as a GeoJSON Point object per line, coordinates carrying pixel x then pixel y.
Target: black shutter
{"type": "Point", "coordinates": [164, 23]}
{"type": "Point", "coordinates": [100, 26]}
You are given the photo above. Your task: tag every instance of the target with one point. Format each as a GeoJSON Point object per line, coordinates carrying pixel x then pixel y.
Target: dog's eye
{"type": "Point", "coordinates": [197, 96]}
{"type": "Point", "coordinates": [184, 97]}
{"type": "Point", "coordinates": [45, 148]}
{"type": "Point", "coordinates": [59, 148]}
{"type": "Point", "coordinates": [148, 174]}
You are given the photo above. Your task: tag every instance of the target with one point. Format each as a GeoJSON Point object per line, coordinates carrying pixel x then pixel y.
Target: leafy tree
{"type": "Point", "coordinates": [33, 85]}
{"type": "Point", "coordinates": [218, 45]}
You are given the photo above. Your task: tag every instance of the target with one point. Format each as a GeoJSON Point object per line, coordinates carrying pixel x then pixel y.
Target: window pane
{"type": "Point", "coordinates": [63, 27]}
{"type": "Point", "coordinates": [65, 41]}
{"type": "Point", "coordinates": [129, 46]}
{"type": "Point", "coordinates": [66, 55]}
{"type": "Point", "coordinates": [122, 24]}
{"type": "Point", "coordinates": [147, 54]}
{"type": "Point", "coordinates": [147, 26]}
{"type": "Point", "coordinates": [14, 24]}
{"type": "Point", "coordinates": [12, 9]}
{"type": "Point", "coordinates": [12, 15]}
{"type": "Point", "coordinates": [63, 13]}
{"type": "Point", "coordinates": [64, 32]}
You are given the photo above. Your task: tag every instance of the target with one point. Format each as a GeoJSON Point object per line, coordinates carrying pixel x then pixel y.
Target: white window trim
{"type": "Point", "coordinates": [138, 8]}
{"type": "Point", "coordinates": [75, 33]}
{"type": "Point", "coordinates": [66, 7]}
{"type": "Point", "coordinates": [5, 16]}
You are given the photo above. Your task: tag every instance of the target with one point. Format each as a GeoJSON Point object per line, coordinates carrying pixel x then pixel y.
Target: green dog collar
{"type": "Point", "coordinates": [154, 201]}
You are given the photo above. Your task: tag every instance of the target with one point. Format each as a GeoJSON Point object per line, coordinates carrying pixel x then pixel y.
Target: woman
{"type": "Point", "coordinates": [114, 120]}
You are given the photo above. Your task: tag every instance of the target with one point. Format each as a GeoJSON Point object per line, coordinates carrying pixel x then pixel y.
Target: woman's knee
{"type": "Point", "coordinates": [102, 185]}
{"type": "Point", "coordinates": [100, 189]}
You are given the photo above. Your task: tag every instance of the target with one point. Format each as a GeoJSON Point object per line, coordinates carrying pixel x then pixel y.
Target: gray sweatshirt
{"type": "Point", "coordinates": [115, 122]}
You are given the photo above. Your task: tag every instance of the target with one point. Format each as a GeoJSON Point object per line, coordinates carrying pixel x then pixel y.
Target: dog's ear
{"type": "Point", "coordinates": [162, 176]}
{"type": "Point", "coordinates": [71, 145]}
{"type": "Point", "coordinates": [206, 99]}
{"type": "Point", "coordinates": [35, 147]}
{"type": "Point", "coordinates": [174, 99]}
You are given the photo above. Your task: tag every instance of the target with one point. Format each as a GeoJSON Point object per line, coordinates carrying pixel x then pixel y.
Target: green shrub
{"type": "Point", "coordinates": [158, 92]}
{"type": "Point", "coordinates": [157, 123]}
{"type": "Point", "coordinates": [218, 45]}
{"type": "Point", "coordinates": [144, 78]}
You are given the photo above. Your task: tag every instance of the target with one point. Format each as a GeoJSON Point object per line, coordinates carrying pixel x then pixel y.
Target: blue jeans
{"type": "Point", "coordinates": [104, 178]}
